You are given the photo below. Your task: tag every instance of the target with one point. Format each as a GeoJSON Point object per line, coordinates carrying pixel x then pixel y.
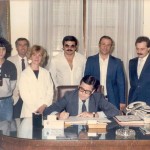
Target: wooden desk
{"type": "Point", "coordinates": [111, 142]}
{"type": "Point", "coordinates": [9, 143]}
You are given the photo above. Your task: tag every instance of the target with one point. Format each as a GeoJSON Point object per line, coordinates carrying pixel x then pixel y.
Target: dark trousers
{"type": "Point", "coordinates": [17, 109]}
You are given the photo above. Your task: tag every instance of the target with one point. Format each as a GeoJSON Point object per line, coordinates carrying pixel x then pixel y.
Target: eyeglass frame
{"type": "Point", "coordinates": [81, 89]}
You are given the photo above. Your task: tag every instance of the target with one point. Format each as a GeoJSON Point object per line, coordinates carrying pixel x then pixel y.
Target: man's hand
{"type": "Point", "coordinates": [63, 115]}
{"type": "Point", "coordinates": [122, 106]}
{"type": "Point", "coordinates": [88, 115]}
{"type": "Point", "coordinates": [41, 109]}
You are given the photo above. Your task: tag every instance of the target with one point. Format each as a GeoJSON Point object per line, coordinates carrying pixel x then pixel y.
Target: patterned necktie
{"type": "Point", "coordinates": [83, 106]}
{"type": "Point", "coordinates": [23, 64]}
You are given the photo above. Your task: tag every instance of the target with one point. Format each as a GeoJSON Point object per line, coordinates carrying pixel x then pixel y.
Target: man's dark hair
{"type": "Point", "coordinates": [22, 39]}
{"type": "Point", "coordinates": [143, 39]}
{"type": "Point", "coordinates": [69, 38]}
{"type": "Point", "coordinates": [7, 45]}
{"type": "Point", "coordinates": [90, 80]}
{"type": "Point", "coordinates": [106, 37]}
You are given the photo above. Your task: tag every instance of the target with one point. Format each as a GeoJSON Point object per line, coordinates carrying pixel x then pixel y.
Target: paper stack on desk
{"type": "Point", "coordinates": [95, 127]}
{"type": "Point", "coordinates": [83, 121]}
{"type": "Point", "coordinates": [96, 124]}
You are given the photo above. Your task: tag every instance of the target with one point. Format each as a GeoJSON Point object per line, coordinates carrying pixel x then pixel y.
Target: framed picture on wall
{"type": "Point", "coordinates": [5, 19]}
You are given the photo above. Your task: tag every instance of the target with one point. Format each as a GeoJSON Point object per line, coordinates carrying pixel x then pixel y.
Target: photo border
{"type": "Point", "coordinates": [5, 19]}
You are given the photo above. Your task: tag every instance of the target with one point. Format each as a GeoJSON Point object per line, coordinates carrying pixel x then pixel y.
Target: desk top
{"type": "Point", "coordinates": [75, 132]}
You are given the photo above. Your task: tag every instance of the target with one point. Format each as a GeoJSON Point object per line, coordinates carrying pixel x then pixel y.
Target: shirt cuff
{"type": "Point", "coordinates": [101, 114]}
{"type": "Point", "coordinates": [54, 113]}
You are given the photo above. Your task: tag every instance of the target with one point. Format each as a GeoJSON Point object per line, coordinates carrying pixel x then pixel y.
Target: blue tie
{"type": "Point", "coordinates": [83, 106]}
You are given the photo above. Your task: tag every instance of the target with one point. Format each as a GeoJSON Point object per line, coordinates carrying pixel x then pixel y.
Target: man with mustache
{"type": "Point", "coordinates": [67, 68]}
{"type": "Point", "coordinates": [139, 72]}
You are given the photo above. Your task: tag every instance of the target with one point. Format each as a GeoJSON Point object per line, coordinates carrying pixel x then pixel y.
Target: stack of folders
{"type": "Point", "coordinates": [94, 124]}
{"type": "Point", "coordinates": [95, 127]}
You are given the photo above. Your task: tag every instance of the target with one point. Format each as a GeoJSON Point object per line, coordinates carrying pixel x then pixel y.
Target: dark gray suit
{"type": "Point", "coordinates": [69, 103]}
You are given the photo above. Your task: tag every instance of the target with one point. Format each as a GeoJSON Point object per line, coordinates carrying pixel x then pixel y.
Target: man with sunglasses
{"type": "Point", "coordinates": [67, 68]}
{"type": "Point", "coordinates": [83, 102]}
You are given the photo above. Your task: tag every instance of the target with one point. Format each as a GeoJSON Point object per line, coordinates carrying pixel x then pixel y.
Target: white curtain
{"type": "Point", "coordinates": [51, 20]}
{"type": "Point", "coordinates": [120, 19]}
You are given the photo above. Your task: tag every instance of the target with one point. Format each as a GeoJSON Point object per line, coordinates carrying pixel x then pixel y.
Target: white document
{"type": "Point", "coordinates": [83, 121]}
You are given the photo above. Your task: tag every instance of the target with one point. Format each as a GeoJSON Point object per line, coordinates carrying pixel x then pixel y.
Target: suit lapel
{"type": "Point", "coordinates": [135, 65]}
{"type": "Point", "coordinates": [147, 63]}
{"type": "Point", "coordinates": [109, 68]}
{"type": "Point", "coordinates": [97, 66]}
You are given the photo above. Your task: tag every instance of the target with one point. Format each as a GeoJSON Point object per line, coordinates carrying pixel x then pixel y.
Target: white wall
{"type": "Point", "coordinates": [19, 14]}
{"type": "Point", "coordinates": [19, 17]}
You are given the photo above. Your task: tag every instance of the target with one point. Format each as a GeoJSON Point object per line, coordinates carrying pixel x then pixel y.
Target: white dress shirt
{"type": "Point", "coordinates": [61, 72]}
{"type": "Point", "coordinates": [141, 62]}
{"type": "Point", "coordinates": [103, 72]}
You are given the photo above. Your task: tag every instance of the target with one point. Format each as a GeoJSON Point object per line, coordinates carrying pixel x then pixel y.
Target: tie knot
{"type": "Point", "coordinates": [22, 59]}
{"type": "Point", "coordinates": [84, 101]}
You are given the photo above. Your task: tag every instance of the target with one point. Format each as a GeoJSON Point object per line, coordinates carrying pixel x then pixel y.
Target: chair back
{"type": "Point", "coordinates": [61, 90]}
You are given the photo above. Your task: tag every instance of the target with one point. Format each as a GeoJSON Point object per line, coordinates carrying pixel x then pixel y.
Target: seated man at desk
{"type": "Point", "coordinates": [83, 102]}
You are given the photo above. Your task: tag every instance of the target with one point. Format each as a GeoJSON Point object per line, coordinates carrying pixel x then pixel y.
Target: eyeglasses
{"type": "Point", "coordinates": [81, 89]}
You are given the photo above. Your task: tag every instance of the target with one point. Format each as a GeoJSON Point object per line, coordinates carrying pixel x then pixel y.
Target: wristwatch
{"type": "Point", "coordinates": [93, 114]}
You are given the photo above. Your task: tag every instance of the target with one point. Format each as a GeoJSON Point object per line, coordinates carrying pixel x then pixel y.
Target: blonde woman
{"type": "Point", "coordinates": [35, 85]}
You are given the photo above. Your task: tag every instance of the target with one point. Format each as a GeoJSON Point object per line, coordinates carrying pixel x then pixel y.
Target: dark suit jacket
{"type": "Point", "coordinates": [69, 103]}
{"type": "Point", "coordinates": [115, 80]}
{"type": "Point", "coordinates": [139, 88]}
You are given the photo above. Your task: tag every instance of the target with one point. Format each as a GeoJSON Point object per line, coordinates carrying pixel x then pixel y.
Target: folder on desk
{"type": "Point", "coordinates": [131, 120]}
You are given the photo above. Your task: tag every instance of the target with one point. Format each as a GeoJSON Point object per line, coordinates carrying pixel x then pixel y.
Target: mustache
{"type": "Point", "coordinates": [69, 50]}
{"type": "Point", "coordinates": [139, 53]}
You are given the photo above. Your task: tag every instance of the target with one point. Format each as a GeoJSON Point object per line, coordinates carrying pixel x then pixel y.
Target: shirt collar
{"type": "Point", "coordinates": [20, 58]}
{"type": "Point", "coordinates": [144, 58]}
{"type": "Point", "coordinates": [105, 59]}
